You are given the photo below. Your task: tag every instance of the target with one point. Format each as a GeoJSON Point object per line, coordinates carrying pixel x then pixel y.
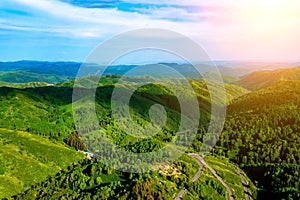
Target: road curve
{"type": "Point", "coordinates": [195, 178]}
{"type": "Point", "coordinates": [181, 193]}
{"type": "Point", "coordinates": [247, 196]}
{"type": "Point", "coordinates": [200, 169]}
{"type": "Point", "coordinates": [229, 191]}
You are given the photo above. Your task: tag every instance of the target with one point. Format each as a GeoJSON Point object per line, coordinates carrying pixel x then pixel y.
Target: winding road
{"type": "Point", "coordinates": [229, 191]}
{"type": "Point", "coordinates": [195, 178]}
{"type": "Point", "coordinates": [202, 163]}
{"type": "Point", "coordinates": [247, 196]}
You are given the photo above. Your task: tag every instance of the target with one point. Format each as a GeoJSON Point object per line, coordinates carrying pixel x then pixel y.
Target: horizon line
{"type": "Point", "coordinates": [157, 62]}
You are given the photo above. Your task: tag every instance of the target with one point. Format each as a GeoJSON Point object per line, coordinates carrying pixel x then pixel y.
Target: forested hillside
{"type": "Point", "coordinates": [90, 179]}
{"type": "Point", "coordinates": [34, 116]}
{"type": "Point", "coordinates": [261, 134]}
{"type": "Point", "coordinates": [38, 134]}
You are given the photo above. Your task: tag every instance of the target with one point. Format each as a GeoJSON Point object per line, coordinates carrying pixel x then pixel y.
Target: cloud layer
{"type": "Point", "coordinates": [227, 29]}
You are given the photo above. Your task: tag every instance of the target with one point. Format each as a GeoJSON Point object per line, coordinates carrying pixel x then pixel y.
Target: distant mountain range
{"type": "Point", "coordinates": [54, 72]}
{"type": "Point", "coordinates": [241, 68]}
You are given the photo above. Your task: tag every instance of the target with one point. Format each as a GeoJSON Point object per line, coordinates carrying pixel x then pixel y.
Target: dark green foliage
{"type": "Point", "coordinates": [26, 77]}
{"type": "Point", "coordinates": [90, 179]}
{"type": "Point", "coordinates": [47, 111]}
{"type": "Point", "coordinates": [261, 134]}
{"type": "Point", "coordinates": [37, 110]}
{"type": "Point", "coordinates": [76, 142]}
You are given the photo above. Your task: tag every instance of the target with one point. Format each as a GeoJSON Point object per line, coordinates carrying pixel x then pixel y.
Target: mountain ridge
{"type": "Point", "coordinates": [260, 79]}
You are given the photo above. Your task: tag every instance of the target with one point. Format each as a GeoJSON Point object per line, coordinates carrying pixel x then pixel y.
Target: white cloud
{"type": "Point", "coordinates": [225, 27]}
{"type": "Point", "coordinates": [61, 18]}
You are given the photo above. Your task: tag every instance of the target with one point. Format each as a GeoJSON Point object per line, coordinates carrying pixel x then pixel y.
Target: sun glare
{"type": "Point", "coordinates": [267, 13]}
{"type": "Point", "coordinates": [264, 29]}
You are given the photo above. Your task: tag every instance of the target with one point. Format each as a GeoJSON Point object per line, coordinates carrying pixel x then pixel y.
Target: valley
{"type": "Point", "coordinates": [256, 156]}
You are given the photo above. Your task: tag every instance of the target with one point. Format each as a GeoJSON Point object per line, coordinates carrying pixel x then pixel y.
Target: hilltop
{"type": "Point", "coordinates": [260, 79]}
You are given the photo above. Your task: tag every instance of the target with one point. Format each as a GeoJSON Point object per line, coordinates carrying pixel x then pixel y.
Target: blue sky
{"type": "Point", "coordinates": [70, 29]}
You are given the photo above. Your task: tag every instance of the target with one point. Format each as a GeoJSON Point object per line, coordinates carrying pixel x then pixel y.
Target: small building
{"type": "Point", "coordinates": [89, 155]}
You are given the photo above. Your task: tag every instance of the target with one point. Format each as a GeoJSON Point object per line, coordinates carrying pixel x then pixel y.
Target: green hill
{"type": "Point", "coordinates": [37, 110]}
{"type": "Point", "coordinates": [261, 135]}
{"type": "Point", "coordinates": [260, 79]}
{"type": "Point", "coordinates": [27, 76]}
{"type": "Point", "coordinates": [44, 114]}
{"type": "Point", "coordinates": [26, 159]}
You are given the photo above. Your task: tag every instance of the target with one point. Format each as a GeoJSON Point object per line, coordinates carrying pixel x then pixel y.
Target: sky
{"type": "Point", "coordinates": [68, 30]}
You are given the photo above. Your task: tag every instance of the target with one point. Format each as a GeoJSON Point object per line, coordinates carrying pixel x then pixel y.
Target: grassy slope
{"type": "Point", "coordinates": [37, 110]}
{"type": "Point", "coordinates": [208, 187]}
{"type": "Point", "coordinates": [27, 159]}
{"type": "Point", "coordinates": [20, 107]}
{"type": "Point", "coordinates": [233, 92]}
{"type": "Point", "coordinates": [229, 175]}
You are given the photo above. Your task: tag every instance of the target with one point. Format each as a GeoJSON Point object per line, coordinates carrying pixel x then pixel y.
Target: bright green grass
{"type": "Point", "coordinates": [204, 190]}
{"type": "Point", "coordinates": [192, 165]}
{"type": "Point", "coordinates": [201, 189]}
{"type": "Point", "coordinates": [208, 187]}
{"type": "Point", "coordinates": [186, 173]}
{"type": "Point", "coordinates": [110, 178]}
{"type": "Point", "coordinates": [27, 159]}
{"type": "Point", "coordinates": [227, 172]}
